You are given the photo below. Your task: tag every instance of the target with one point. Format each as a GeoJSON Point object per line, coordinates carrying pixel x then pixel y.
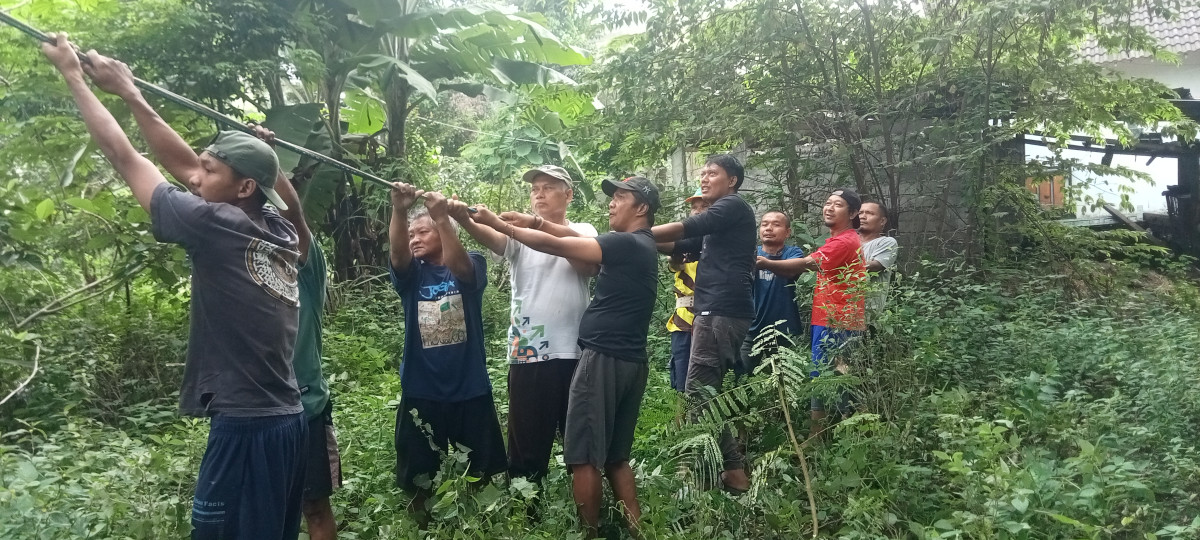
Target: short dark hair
{"type": "Point", "coordinates": [882, 208]}
{"type": "Point", "coordinates": [732, 167]}
{"type": "Point", "coordinates": [650, 210]}
{"type": "Point", "coordinates": [787, 220]}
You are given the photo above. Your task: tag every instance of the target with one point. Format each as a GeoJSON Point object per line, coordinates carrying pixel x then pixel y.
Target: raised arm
{"type": "Point", "coordinates": [539, 223]}
{"type": "Point", "coordinates": [138, 172]}
{"type": "Point", "coordinates": [454, 256]}
{"type": "Point", "coordinates": [287, 192]}
{"type": "Point", "coordinates": [403, 196]}
{"type": "Point", "coordinates": [576, 248]}
{"type": "Point", "coordinates": [175, 155]}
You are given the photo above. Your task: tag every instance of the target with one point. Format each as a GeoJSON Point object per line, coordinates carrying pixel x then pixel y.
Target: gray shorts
{"type": "Point", "coordinates": [602, 411]}
{"type": "Point", "coordinates": [717, 341]}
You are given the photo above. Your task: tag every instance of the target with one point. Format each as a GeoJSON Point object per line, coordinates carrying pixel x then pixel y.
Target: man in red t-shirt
{"type": "Point", "coordinates": [838, 304]}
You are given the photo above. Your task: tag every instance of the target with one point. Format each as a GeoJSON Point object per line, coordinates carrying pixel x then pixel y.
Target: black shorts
{"type": "Point", "coordinates": [324, 462]}
{"type": "Point", "coordinates": [606, 396]}
{"type": "Point", "coordinates": [537, 412]}
{"type": "Point", "coordinates": [471, 423]}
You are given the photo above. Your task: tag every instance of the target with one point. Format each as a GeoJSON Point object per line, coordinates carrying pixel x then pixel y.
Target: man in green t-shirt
{"type": "Point", "coordinates": [323, 472]}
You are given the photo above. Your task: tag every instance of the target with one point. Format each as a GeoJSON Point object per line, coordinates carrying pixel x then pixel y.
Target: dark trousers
{"type": "Point", "coordinates": [681, 351]}
{"type": "Point", "coordinates": [716, 348]}
{"type": "Point", "coordinates": [444, 425]}
{"type": "Point", "coordinates": [537, 411]}
{"type": "Point", "coordinates": [251, 479]}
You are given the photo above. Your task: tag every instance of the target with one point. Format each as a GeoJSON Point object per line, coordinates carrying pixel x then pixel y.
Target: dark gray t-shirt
{"type": "Point", "coordinates": [244, 308]}
{"type": "Point", "coordinates": [727, 251]}
{"type": "Point", "coordinates": [615, 323]}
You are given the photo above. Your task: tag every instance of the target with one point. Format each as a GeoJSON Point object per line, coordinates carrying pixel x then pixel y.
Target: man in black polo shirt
{"type": "Point", "coordinates": [725, 237]}
{"type": "Point", "coordinates": [607, 388]}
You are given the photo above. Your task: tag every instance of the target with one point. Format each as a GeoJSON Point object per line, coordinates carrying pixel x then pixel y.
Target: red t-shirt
{"type": "Point", "coordinates": [839, 301]}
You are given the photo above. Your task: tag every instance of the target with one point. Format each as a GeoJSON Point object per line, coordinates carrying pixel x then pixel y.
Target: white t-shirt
{"type": "Point", "coordinates": [882, 249]}
{"type": "Point", "coordinates": [548, 299]}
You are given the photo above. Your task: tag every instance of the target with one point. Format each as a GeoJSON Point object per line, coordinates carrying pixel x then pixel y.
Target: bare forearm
{"type": "Point", "coordinates": [174, 153]}
{"type": "Point", "coordinates": [398, 251]}
{"type": "Point", "coordinates": [137, 172]}
{"type": "Point", "coordinates": [491, 239]}
{"type": "Point", "coordinates": [580, 251]}
{"type": "Point", "coordinates": [789, 268]}
{"type": "Point", "coordinates": [875, 266]}
{"type": "Point", "coordinates": [561, 231]}
{"type": "Point", "coordinates": [454, 255]}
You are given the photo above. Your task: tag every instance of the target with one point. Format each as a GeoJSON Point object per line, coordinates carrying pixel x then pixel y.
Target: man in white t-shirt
{"type": "Point", "coordinates": [878, 253]}
{"type": "Point", "coordinates": [549, 295]}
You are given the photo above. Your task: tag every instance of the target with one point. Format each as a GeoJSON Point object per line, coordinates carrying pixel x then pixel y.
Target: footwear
{"type": "Point", "coordinates": [735, 481]}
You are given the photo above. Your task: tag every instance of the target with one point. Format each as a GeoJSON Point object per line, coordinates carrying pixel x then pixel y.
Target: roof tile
{"type": "Point", "coordinates": [1181, 35]}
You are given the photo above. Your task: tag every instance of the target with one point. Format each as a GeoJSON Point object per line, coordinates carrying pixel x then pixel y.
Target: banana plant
{"type": "Point", "coordinates": [378, 61]}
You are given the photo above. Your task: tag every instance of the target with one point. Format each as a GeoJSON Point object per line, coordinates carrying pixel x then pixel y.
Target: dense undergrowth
{"type": "Point", "coordinates": [1027, 400]}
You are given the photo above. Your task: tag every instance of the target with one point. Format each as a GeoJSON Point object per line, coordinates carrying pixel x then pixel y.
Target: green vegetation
{"type": "Point", "coordinates": [1030, 382]}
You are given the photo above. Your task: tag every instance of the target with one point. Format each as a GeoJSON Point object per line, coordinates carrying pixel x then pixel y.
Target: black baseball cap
{"type": "Point", "coordinates": [642, 188]}
{"type": "Point", "coordinates": [853, 202]}
{"type": "Point", "coordinates": [851, 197]}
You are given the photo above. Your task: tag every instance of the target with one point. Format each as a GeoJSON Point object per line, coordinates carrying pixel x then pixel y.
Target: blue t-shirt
{"type": "Point", "coordinates": [443, 332]}
{"type": "Point", "coordinates": [775, 296]}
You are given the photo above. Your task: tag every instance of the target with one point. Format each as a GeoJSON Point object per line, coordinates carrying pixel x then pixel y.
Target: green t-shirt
{"type": "Point", "coordinates": [306, 361]}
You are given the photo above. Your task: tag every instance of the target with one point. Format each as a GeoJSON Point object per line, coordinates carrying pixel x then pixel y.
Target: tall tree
{"type": "Point", "coordinates": [897, 98]}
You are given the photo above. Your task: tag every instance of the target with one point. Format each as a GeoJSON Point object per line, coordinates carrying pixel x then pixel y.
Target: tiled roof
{"type": "Point", "coordinates": [1181, 35]}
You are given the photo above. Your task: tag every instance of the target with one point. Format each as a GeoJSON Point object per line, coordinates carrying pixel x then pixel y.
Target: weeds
{"type": "Point", "coordinates": [1007, 407]}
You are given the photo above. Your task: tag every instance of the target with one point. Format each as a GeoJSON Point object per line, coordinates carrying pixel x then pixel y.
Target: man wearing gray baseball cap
{"type": "Point", "coordinates": [549, 296]}
{"type": "Point", "coordinates": [244, 301]}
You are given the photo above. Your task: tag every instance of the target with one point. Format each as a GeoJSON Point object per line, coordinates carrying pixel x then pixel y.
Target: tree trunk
{"type": "Point", "coordinates": [395, 99]}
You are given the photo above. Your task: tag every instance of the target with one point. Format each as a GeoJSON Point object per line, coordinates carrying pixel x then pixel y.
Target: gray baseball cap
{"type": "Point", "coordinates": [250, 157]}
{"type": "Point", "coordinates": [553, 171]}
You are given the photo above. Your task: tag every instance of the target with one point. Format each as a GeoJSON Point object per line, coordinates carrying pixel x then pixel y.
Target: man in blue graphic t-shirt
{"type": "Point", "coordinates": [443, 378]}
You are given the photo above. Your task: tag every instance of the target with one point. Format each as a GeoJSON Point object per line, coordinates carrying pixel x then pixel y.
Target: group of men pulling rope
{"type": "Point", "coordinates": [578, 362]}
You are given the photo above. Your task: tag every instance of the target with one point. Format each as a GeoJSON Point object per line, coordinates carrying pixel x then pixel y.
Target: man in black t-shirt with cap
{"type": "Point", "coordinates": [607, 388]}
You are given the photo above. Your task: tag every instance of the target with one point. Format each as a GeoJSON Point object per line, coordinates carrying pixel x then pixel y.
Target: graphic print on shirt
{"type": "Point", "coordinates": [440, 316]}
{"type": "Point", "coordinates": [273, 268]}
{"type": "Point", "coordinates": [525, 340]}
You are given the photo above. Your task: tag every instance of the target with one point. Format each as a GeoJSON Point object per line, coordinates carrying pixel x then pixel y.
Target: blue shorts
{"type": "Point", "coordinates": [826, 344]}
{"type": "Point", "coordinates": [251, 478]}
{"type": "Point", "coordinates": [681, 351]}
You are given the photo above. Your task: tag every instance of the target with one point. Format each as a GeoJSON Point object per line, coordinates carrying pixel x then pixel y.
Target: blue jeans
{"type": "Point", "coordinates": [681, 352]}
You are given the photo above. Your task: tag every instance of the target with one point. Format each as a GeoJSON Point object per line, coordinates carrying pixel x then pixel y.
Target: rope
{"type": "Point", "coordinates": [206, 111]}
